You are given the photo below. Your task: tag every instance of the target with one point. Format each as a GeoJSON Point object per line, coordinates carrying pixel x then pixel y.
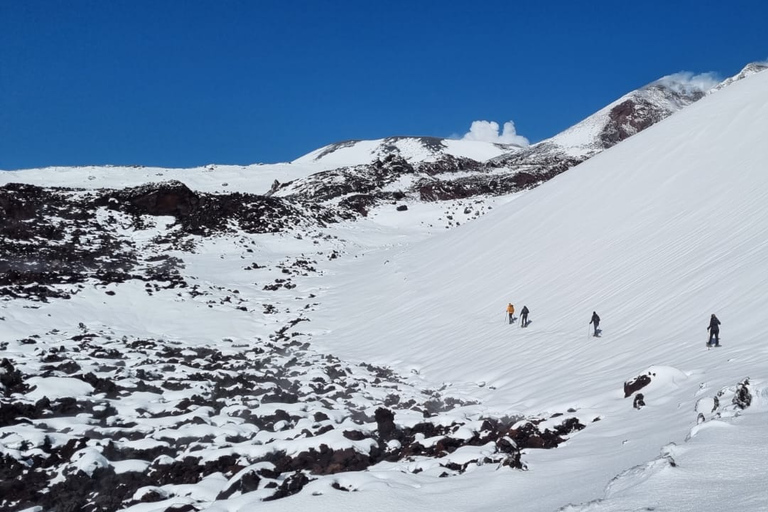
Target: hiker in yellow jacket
{"type": "Point", "coordinates": [511, 312]}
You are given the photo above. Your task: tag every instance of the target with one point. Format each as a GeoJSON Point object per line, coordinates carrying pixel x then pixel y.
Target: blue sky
{"type": "Point", "coordinates": [179, 84]}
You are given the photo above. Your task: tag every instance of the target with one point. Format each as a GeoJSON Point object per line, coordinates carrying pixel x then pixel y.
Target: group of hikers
{"type": "Point", "coordinates": [714, 324]}
{"type": "Point", "coordinates": [523, 315]}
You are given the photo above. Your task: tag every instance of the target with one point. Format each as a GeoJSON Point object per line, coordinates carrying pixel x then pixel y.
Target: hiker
{"type": "Point", "coordinates": [714, 331]}
{"type": "Point", "coordinates": [511, 312]}
{"type": "Point", "coordinates": [595, 320]}
{"type": "Point", "coordinates": [524, 317]}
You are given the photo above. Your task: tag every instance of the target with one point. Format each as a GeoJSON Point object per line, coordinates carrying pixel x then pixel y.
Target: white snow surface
{"type": "Point", "coordinates": [254, 179]}
{"type": "Point", "coordinates": [654, 234]}
{"type": "Point", "coordinates": [57, 387]}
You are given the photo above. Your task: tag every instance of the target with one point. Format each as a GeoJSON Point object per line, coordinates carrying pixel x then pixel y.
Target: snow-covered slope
{"type": "Point", "coordinates": [254, 179]}
{"type": "Point", "coordinates": [412, 149]}
{"type": "Point", "coordinates": [655, 234]}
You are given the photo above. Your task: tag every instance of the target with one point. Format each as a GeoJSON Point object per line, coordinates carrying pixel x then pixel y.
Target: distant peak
{"type": "Point", "coordinates": [754, 67]}
{"type": "Point", "coordinates": [748, 70]}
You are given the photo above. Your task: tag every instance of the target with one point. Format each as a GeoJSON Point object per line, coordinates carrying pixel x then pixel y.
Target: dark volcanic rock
{"type": "Point", "coordinates": [636, 114]}
{"type": "Point", "coordinates": [385, 420]}
{"type": "Point", "coordinates": [360, 203]}
{"type": "Point", "coordinates": [166, 198]}
{"type": "Point", "coordinates": [290, 486]}
{"type": "Point", "coordinates": [57, 220]}
{"type": "Point", "coordinates": [10, 378]}
{"type": "Point", "coordinates": [743, 398]}
{"type": "Point", "coordinates": [74, 242]}
{"type": "Point", "coordinates": [246, 483]}
{"type": "Point", "coordinates": [636, 384]}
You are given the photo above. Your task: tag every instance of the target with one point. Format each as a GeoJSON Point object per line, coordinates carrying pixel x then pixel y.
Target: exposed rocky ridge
{"type": "Point", "coordinates": [362, 188]}
{"type": "Point", "coordinates": [206, 214]}
{"type": "Point", "coordinates": [53, 236]}
{"type": "Point", "coordinates": [643, 110]}
{"type": "Point", "coordinates": [54, 240]}
{"type": "Point", "coordinates": [625, 117]}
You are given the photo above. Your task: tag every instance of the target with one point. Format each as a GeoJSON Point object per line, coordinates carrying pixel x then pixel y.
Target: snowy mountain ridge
{"type": "Point", "coordinates": [412, 149]}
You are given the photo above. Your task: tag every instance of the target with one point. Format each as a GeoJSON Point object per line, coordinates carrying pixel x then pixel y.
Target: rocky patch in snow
{"type": "Point", "coordinates": [54, 240]}
{"type": "Point", "coordinates": [727, 402]}
{"type": "Point", "coordinates": [361, 188]}
{"type": "Point", "coordinates": [90, 421]}
{"type": "Point", "coordinates": [636, 384]}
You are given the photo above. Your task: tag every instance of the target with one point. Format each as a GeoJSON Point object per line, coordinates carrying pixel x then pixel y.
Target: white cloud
{"type": "Point", "coordinates": [488, 131]}
{"type": "Point", "coordinates": [686, 82]}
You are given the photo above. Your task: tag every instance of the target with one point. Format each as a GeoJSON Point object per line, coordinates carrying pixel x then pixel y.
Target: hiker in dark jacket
{"type": "Point", "coordinates": [524, 317]}
{"type": "Point", "coordinates": [595, 320]}
{"type": "Point", "coordinates": [714, 331]}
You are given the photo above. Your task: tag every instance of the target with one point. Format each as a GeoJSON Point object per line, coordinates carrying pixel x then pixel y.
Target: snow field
{"type": "Point", "coordinates": [654, 235]}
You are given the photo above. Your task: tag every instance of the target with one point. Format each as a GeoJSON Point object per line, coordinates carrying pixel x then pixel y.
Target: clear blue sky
{"type": "Point", "coordinates": [185, 83]}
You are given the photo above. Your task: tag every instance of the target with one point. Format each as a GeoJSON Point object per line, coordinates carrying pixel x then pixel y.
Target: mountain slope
{"type": "Point", "coordinates": [624, 117]}
{"type": "Point", "coordinates": [654, 234]}
{"type": "Point", "coordinates": [673, 209]}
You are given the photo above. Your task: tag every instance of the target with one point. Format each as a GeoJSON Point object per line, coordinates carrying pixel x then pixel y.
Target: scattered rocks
{"type": "Point", "coordinates": [222, 388]}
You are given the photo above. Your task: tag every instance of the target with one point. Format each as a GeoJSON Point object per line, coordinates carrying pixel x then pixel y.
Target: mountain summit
{"type": "Point", "coordinates": [626, 116]}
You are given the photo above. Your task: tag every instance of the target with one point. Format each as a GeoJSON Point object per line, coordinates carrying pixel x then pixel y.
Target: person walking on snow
{"type": "Point", "coordinates": [511, 312]}
{"type": "Point", "coordinates": [595, 320]}
{"type": "Point", "coordinates": [524, 317]}
{"type": "Point", "coordinates": [714, 331]}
